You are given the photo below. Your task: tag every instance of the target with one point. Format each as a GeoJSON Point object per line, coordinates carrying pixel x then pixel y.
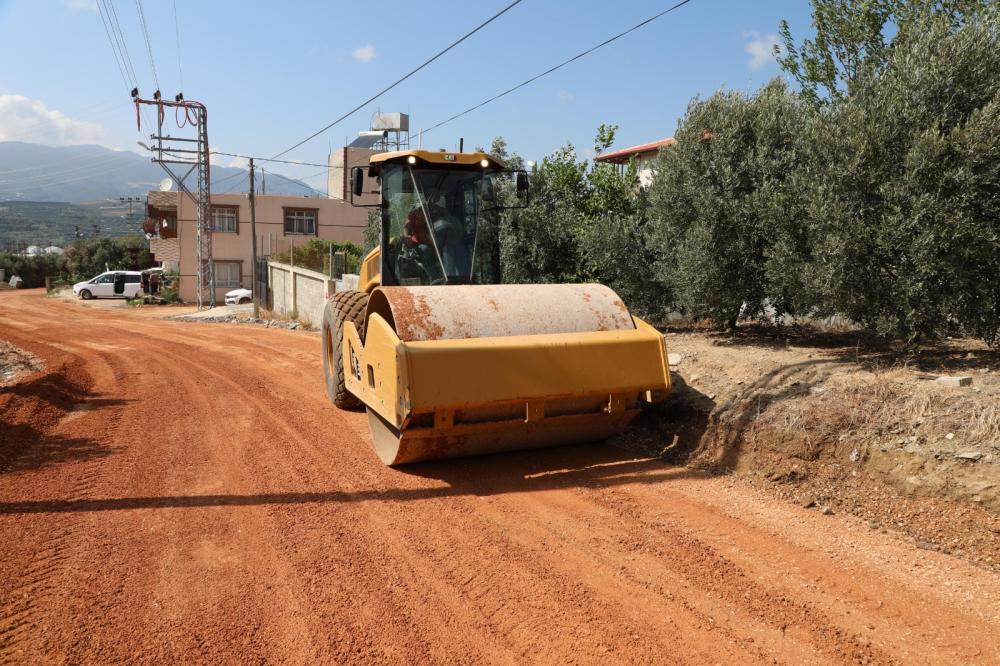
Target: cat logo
{"type": "Point", "coordinates": [449, 157]}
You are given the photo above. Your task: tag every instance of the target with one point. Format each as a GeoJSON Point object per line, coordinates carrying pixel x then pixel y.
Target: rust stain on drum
{"type": "Point", "coordinates": [413, 316]}
{"type": "Point", "coordinates": [473, 311]}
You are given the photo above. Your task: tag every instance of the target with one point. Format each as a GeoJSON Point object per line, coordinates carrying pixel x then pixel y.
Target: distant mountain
{"type": "Point", "coordinates": [32, 172]}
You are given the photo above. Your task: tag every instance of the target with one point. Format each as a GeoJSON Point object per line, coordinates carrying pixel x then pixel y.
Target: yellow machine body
{"type": "Point", "coordinates": [463, 369]}
{"type": "Point", "coordinates": [438, 384]}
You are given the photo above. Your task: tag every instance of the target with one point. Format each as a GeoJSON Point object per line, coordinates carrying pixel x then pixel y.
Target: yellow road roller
{"type": "Point", "coordinates": [447, 361]}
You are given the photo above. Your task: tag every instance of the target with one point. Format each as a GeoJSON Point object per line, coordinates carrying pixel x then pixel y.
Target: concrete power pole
{"type": "Point", "coordinates": [253, 246]}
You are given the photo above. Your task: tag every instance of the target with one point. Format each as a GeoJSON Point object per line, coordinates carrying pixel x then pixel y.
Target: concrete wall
{"type": "Point", "coordinates": [336, 220]}
{"type": "Point", "coordinates": [299, 290]}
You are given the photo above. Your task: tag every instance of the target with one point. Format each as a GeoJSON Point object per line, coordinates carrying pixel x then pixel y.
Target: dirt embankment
{"type": "Point", "coordinates": [841, 423]}
{"type": "Point", "coordinates": [16, 363]}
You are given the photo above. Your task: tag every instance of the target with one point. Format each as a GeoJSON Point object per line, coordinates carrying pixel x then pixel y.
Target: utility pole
{"type": "Point", "coordinates": [194, 154]}
{"type": "Point", "coordinates": [253, 246]}
{"type": "Point", "coordinates": [130, 201]}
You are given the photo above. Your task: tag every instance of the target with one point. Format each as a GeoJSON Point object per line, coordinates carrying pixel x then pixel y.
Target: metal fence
{"type": "Point", "coordinates": [316, 254]}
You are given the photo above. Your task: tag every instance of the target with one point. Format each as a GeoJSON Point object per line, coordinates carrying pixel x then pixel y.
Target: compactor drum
{"type": "Point", "coordinates": [448, 363]}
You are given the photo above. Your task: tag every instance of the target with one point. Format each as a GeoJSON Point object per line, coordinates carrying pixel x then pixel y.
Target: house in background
{"type": "Point", "coordinates": [644, 155]}
{"type": "Point", "coordinates": [281, 220]}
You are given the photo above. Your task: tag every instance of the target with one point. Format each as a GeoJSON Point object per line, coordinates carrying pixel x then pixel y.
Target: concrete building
{"type": "Point", "coordinates": [644, 154]}
{"type": "Point", "coordinates": [281, 220]}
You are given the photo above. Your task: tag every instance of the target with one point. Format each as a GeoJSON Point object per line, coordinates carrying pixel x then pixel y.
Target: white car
{"type": "Point", "coordinates": [239, 296]}
{"type": "Point", "coordinates": [110, 284]}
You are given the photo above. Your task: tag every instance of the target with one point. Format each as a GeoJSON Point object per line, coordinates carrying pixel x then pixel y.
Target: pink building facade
{"type": "Point", "coordinates": [281, 220]}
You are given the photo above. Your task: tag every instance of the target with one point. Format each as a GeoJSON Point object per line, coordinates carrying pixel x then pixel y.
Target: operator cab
{"type": "Point", "coordinates": [438, 213]}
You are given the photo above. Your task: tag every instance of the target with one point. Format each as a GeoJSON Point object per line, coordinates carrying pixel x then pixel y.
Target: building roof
{"type": "Point", "coordinates": [158, 199]}
{"type": "Point", "coordinates": [369, 142]}
{"type": "Point", "coordinates": [625, 154]}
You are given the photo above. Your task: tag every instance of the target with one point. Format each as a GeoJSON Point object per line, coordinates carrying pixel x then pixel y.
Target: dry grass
{"type": "Point", "coordinates": [895, 407]}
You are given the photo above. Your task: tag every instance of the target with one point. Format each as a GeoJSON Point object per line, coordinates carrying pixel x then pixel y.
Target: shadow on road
{"type": "Point", "coordinates": [30, 412]}
{"type": "Point", "coordinates": [588, 466]}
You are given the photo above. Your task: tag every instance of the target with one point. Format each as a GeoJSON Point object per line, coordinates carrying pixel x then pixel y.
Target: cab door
{"type": "Point", "coordinates": [103, 285]}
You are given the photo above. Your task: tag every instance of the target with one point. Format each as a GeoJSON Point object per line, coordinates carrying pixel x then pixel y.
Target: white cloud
{"type": "Point", "coordinates": [30, 120]}
{"type": "Point", "coordinates": [761, 48]}
{"type": "Point", "coordinates": [364, 53]}
{"type": "Point", "coordinates": [82, 5]}
{"type": "Point", "coordinates": [566, 97]}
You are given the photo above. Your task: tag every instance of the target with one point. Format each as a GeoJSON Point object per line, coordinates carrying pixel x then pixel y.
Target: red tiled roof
{"type": "Point", "coordinates": [625, 154]}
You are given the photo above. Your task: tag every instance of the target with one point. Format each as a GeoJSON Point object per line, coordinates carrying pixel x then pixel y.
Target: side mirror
{"type": "Point", "coordinates": [521, 184]}
{"type": "Point", "coordinates": [357, 181]}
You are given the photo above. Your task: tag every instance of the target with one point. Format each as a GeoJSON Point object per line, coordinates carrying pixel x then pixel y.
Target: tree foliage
{"type": "Point", "coordinates": [854, 40]}
{"type": "Point", "coordinates": [872, 191]}
{"type": "Point", "coordinates": [87, 258]}
{"type": "Point", "coordinates": [721, 198]}
{"type": "Point", "coordinates": [317, 252]}
{"type": "Point", "coordinates": [904, 208]}
{"type": "Point", "coordinates": [586, 222]}
{"type": "Point", "coordinates": [32, 269]}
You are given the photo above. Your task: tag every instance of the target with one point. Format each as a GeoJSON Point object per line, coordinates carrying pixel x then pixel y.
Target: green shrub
{"type": "Point", "coordinates": [315, 255]}
{"type": "Point", "coordinates": [32, 269]}
{"type": "Point", "coordinates": [718, 198]}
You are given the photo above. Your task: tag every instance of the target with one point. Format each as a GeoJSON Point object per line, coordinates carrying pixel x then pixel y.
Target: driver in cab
{"type": "Point", "coordinates": [448, 232]}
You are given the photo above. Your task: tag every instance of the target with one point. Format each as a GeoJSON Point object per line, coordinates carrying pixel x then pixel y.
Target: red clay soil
{"type": "Point", "coordinates": [180, 492]}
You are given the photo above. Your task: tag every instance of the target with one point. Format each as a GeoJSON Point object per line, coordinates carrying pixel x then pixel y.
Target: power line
{"type": "Point", "coordinates": [119, 41]}
{"type": "Point", "coordinates": [116, 30]}
{"type": "Point", "coordinates": [177, 33]}
{"type": "Point", "coordinates": [97, 162]}
{"type": "Point", "coordinates": [149, 47]}
{"type": "Point", "coordinates": [405, 77]}
{"type": "Point", "coordinates": [559, 66]}
{"type": "Point", "coordinates": [237, 185]}
{"type": "Point", "coordinates": [302, 180]}
{"type": "Point", "coordinates": [265, 159]}
{"type": "Point", "coordinates": [75, 179]}
{"type": "Point", "coordinates": [229, 177]}
{"type": "Point", "coordinates": [114, 51]}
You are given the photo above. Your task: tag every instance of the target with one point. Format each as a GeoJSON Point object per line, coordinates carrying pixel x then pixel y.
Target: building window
{"type": "Point", "coordinates": [228, 274]}
{"type": "Point", "coordinates": [225, 219]}
{"type": "Point", "coordinates": [300, 221]}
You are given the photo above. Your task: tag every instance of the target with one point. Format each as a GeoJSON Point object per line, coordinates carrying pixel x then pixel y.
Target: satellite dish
{"type": "Point", "coordinates": [166, 185]}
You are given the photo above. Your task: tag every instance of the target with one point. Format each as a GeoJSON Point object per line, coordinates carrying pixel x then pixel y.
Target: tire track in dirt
{"type": "Point", "coordinates": [40, 581]}
{"type": "Point", "coordinates": [493, 588]}
{"type": "Point", "coordinates": [241, 518]}
{"type": "Point", "coordinates": [815, 577]}
{"type": "Point", "coordinates": [487, 587]}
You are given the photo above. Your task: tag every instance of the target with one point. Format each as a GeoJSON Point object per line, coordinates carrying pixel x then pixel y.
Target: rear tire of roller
{"type": "Point", "coordinates": [344, 306]}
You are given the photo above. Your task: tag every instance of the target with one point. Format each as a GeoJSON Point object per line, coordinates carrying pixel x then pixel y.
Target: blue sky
{"type": "Point", "coordinates": [273, 73]}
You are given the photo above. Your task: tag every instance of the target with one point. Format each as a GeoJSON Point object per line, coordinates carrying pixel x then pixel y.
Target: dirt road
{"type": "Point", "coordinates": [174, 491]}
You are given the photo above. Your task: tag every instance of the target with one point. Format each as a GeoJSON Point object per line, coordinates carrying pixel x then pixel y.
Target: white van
{"type": "Point", "coordinates": [111, 284]}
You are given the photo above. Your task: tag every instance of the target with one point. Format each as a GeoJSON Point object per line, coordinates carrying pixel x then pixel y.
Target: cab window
{"type": "Point", "coordinates": [431, 218]}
